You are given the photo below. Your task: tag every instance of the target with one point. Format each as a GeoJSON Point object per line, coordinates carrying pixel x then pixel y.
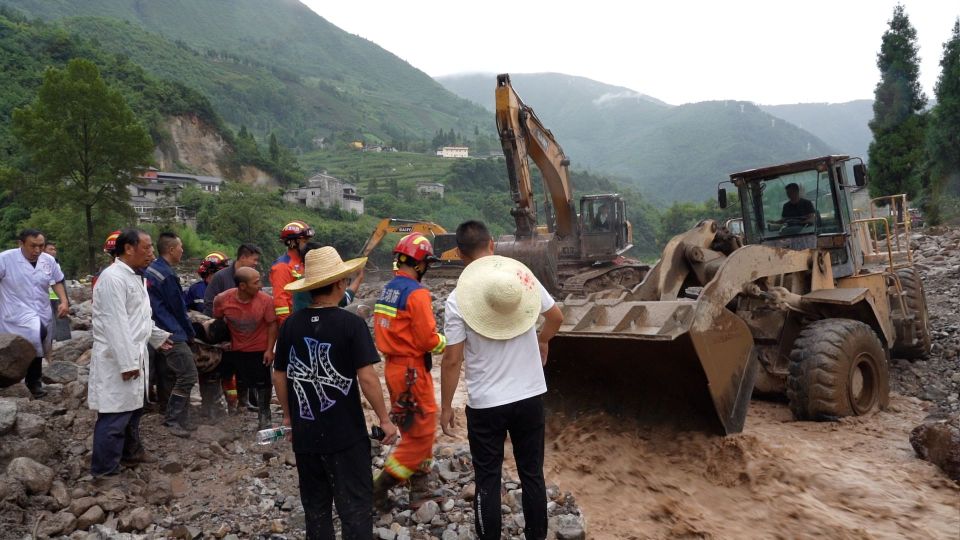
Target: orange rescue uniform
{"type": "Point", "coordinates": [286, 269]}
{"type": "Point", "coordinates": [405, 331]}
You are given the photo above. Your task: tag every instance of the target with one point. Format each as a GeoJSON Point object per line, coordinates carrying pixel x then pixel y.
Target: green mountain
{"type": "Point", "coordinates": [273, 65]}
{"type": "Point", "coordinates": [843, 126]}
{"type": "Point", "coordinates": [670, 152]}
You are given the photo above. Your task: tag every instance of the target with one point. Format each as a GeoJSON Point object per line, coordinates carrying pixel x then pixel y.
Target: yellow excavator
{"type": "Point", "coordinates": [444, 243]}
{"type": "Point", "coordinates": [575, 252]}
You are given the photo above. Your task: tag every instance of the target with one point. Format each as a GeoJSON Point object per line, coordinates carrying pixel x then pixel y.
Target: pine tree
{"type": "Point", "coordinates": [84, 144]}
{"type": "Point", "coordinates": [943, 132]}
{"type": "Point", "coordinates": [897, 151]}
{"type": "Point", "coordinates": [274, 148]}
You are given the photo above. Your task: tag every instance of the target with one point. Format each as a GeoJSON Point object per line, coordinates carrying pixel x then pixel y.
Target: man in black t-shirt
{"type": "Point", "coordinates": [797, 210]}
{"type": "Point", "coordinates": [323, 354]}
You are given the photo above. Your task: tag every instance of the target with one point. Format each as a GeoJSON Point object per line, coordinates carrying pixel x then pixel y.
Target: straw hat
{"type": "Point", "coordinates": [322, 267]}
{"type": "Point", "coordinates": [498, 297]}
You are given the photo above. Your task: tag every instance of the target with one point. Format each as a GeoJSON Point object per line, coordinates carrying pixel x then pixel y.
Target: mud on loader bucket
{"type": "Point", "coordinates": [652, 355]}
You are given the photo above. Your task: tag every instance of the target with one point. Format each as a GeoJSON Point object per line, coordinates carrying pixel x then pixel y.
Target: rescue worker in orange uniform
{"type": "Point", "coordinates": [289, 267]}
{"type": "Point", "coordinates": [406, 334]}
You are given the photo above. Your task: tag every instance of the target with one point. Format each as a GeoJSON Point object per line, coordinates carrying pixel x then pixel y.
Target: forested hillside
{"type": "Point", "coordinates": [274, 66]}
{"type": "Point", "coordinates": [671, 152]}
{"type": "Point", "coordinates": [845, 127]}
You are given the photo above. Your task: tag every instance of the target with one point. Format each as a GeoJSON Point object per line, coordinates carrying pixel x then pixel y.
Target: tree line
{"type": "Point", "coordinates": [916, 150]}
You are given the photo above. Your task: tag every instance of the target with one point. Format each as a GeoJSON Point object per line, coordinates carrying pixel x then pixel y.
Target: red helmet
{"type": "Point", "coordinates": [212, 263]}
{"type": "Point", "coordinates": [416, 246]}
{"type": "Point", "coordinates": [296, 229]}
{"type": "Point", "coordinates": [111, 242]}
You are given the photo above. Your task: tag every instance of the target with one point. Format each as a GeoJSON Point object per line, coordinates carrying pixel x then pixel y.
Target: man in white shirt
{"type": "Point", "coordinates": [119, 365]}
{"type": "Point", "coordinates": [491, 327]}
{"type": "Point", "coordinates": [26, 275]}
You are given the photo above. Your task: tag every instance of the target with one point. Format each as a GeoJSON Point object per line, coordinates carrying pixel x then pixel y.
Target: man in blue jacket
{"type": "Point", "coordinates": [170, 314]}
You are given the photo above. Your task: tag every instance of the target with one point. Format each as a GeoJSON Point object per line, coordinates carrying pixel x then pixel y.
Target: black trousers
{"type": "Point", "coordinates": [342, 479]}
{"type": "Point", "coordinates": [115, 436]}
{"type": "Point", "coordinates": [249, 368]}
{"type": "Point", "coordinates": [487, 430]}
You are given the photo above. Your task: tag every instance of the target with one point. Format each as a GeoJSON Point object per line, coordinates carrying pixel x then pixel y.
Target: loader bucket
{"type": "Point", "coordinates": [681, 363]}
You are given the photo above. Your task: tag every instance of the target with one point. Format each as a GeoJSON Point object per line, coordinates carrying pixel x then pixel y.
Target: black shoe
{"type": "Point", "coordinates": [36, 389]}
{"type": "Point", "coordinates": [176, 413]}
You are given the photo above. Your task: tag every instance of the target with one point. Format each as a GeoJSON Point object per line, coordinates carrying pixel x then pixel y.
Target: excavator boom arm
{"type": "Point", "coordinates": [393, 225]}
{"type": "Point", "coordinates": [523, 136]}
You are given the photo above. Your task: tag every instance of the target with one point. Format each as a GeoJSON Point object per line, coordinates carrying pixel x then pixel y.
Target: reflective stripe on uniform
{"type": "Point", "coordinates": [385, 310]}
{"type": "Point", "coordinates": [441, 345]}
{"type": "Point", "coordinates": [397, 469]}
{"type": "Point", "coordinates": [282, 310]}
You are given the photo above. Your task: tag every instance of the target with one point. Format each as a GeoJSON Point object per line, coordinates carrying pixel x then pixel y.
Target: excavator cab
{"type": "Point", "coordinates": [605, 231]}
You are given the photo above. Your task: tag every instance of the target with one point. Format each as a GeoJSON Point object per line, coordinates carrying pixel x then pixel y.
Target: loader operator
{"type": "Point", "coordinates": [406, 334]}
{"type": "Point", "coordinates": [797, 211]}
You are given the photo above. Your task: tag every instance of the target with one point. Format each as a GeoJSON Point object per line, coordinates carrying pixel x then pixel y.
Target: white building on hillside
{"type": "Point", "coordinates": [325, 191]}
{"type": "Point", "coordinates": [454, 152]}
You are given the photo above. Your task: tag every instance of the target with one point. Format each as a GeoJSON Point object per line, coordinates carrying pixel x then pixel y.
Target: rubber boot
{"type": "Point", "coordinates": [230, 393]}
{"type": "Point", "coordinates": [263, 405]}
{"type": "Point", "coordinates": [420, 490]}
{"type": "Point", "coordinates": [252, 400]}
{"type": "Point", "coordinates": [210, 406]}
{"type": "Point", "coordinates": [176, 410]}
{"type": "Point", "coordinates": [381, 491]}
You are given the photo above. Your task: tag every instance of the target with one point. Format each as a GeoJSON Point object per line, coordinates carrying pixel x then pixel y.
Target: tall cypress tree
{"type": "Point", "coordinates": [943, 132]}
{"type": "Point", "coordinates": [897, 151]}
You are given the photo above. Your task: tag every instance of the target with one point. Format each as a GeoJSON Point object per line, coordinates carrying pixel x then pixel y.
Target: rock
{"type": "Point", "coordinates": [276, 526]}
{"type": "Point", "coordinates": [938, 441]}
{"type": "Point", "coordinates": [60, 372]}
{"type": "Point", "coordinates": [33, 448]}
{"type": "Point", "coordinates": [70, 351]}
{"type": "Point", "coordinates": [84, 359]}
{"type": "Point", "coordinates": [112, 501]}
{"type": "Point", "coordinates": [29, 425]}
{"type": "Point", "coordinates": [137, 520]}
{"type": "Point", "coordinates": [449, 535]}
{"type": "Point", "coordinates": [16, 354]}
{"type": "Point", "coordinates": [59, 492]}
{"type": "Point", "coordinates": [384, 533]}
{"type": "Point", "coordinates": [425, 513]}
{"type": "Point", "coordinates": [36, 477]}
{"type": "Point", "coordinates": [172, 464]}
{"type": "Point", "coordinates": [10, 488]}
{"type": "Point", "coordinates": [469, 492]}
{"type": "Point", "coordinates": [211, 434]}
{"type": "Point", "coordinates": [57, 524]}
{"type": "Point", "coordinates": [448, 505]}
{"type": "Point", "coordinates": [571, 533]}
{"type": "Point", "coordinates": [80, 505]}
{"type": "Point", "coordinates": [8, 415]}
{"type": "Point", "coordinates": [184, 532]}
{"type": "Point", "coordinates": [93, 516]}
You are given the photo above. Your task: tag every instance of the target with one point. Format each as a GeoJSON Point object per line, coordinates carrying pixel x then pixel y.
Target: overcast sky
{"type": "Point", "coordinates": [769, 52]}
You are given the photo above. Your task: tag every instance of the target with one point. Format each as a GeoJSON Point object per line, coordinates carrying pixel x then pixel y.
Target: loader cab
{"type": "Point", "coordinates": [605, 229]}
{"type": "Point", "coordinates": [803, 205]}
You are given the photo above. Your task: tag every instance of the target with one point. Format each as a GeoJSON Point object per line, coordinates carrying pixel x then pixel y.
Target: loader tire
{"type": "Point", "coordinates": [838, 367]}
{"type": "Point", "coordinates": [916, 300]}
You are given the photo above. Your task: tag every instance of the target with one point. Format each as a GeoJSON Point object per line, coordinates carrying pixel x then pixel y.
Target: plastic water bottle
{"type": "Point", "coordinates": [272, 435]}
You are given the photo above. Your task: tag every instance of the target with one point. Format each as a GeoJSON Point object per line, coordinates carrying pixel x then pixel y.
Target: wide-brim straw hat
{"type": "Point", "coordinates": [324, 266]}
{"type": "Point", "coordinates": [498, 297]}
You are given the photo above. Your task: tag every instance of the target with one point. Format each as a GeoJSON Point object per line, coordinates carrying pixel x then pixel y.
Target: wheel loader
{"type": "Point", "coordinates": [809, 303]}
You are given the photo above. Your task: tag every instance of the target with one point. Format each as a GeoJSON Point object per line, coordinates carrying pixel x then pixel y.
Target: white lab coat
{"type": "Point", "coordinates": [122, 327]}
{"type": "Point", "coordinates": [25, 298]}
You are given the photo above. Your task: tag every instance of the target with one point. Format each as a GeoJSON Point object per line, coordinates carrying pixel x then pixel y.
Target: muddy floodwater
{"type": "Point", "coordinates": [858, 478]}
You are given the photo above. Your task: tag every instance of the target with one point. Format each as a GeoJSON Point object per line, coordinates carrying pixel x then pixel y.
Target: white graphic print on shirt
{"type": "Point", "coordinates": [316, 373]}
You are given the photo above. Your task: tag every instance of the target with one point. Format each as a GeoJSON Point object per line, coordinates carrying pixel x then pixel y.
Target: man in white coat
{"type": "Point", "coordinates": [26, 275]}
{"type": "Point", "coordinates": [122, 328]}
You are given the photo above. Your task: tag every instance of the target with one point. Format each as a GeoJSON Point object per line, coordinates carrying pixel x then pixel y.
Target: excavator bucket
{"type": "Point", "coordinates": [669, 351]}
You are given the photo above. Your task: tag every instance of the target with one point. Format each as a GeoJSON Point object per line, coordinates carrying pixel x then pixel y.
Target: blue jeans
{"type": "Point", "coordinates": [115, 436]}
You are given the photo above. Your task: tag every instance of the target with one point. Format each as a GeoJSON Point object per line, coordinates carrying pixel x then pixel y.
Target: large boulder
{"type": "Point", "coordinates": [70, 351]}
{"type": "Point", "coordinates": [36, 477]}
{"type": "Point", "coordinates": [8, 415]}
{"type": "Point", "coordinates": [16, 354]}
{"type": "Point", "coordinates": [60, 372]}
{"type": "Point", "coordinates": [937, 440]}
